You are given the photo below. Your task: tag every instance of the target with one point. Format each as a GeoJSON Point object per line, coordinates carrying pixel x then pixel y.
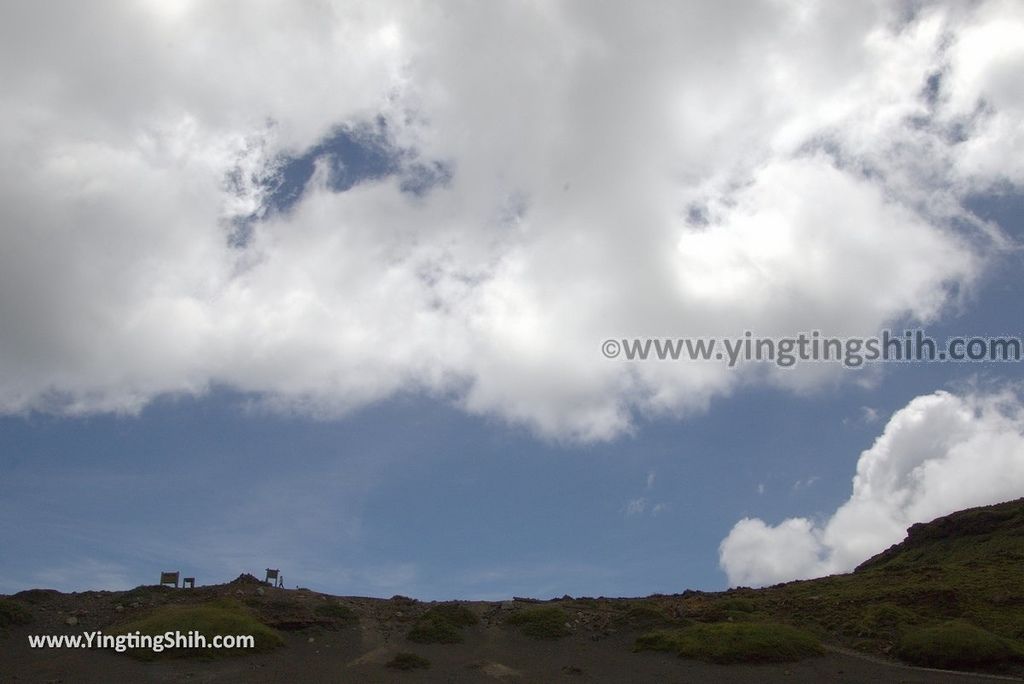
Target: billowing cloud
{"type": "Point", "coordinates": [598, 171]}
{"type": "Point", "coordinates": [941, 453]}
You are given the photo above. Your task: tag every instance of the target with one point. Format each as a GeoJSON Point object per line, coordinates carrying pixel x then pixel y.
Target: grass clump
{"type": "Point", "coordinates": [541, 623]}
{"type": "Point", "coordinates": [956, 644]}
{"type": "Point", "coordinates": [36, 596]}
{"type": "Point", "coordinates": [13, 613]}
{"type": "Point", "coordinates": [885, 620]}
{"type": "Point", "coordinates": [435, 631]}
{"type": "Point", "coordinates": [408, 661]}
{"type": "Point", "coordinates": [146, 592]}
{"type": "Point", "coordinates": [337, 613]}
{"type": "Point", "coordinates": [734, 642]}
{"type": "Point", "coordinates": [457, 614]}
{"type": "Point", "coordinates": [737, 605]}
{"type": "Point", "coordinates": [442, 624]}
{"type": "Point", "coordinates": [216, 618]}
{"type": "Point", "coordinates": [647, 613]}
{"type": "Point", "coordinates": [586, 602]}
{"type": "Point", "coordinates": [403, 600]}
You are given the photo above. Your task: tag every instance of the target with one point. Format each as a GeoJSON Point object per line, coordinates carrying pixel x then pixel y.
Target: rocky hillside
{"type": "Point", "coordinates": [986, 532]}
{"type": "Point", "coordinates": [951, 595]}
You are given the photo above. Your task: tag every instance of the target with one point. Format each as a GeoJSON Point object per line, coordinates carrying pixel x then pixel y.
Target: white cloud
{"type": "Point", "coordinates": [641, 505]}
{"type": "Point", "coordinates": [941, 453]}
{"type": "Point", "coordinates": [636, 507]}
{"type": "Point", "coordinates": [868, 416]}
{"type": "Point", "coordinates": [580, 137]}
{"type": "Point", "coordinates": [805, 483]}
{"type": "Point", "coordinates": [983, 61]}
{"type": "Point", "coordinates": [755, 553]}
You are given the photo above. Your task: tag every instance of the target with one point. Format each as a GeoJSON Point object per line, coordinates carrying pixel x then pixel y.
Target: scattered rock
{"type": "Point", "coordinates": [118, 607]}
{"type": "Point", "coordinates": [261, 591]}
{"type": "Point", "coordinates": [499, 671]}
{"type": "Point", "coordinates": [71, 621]}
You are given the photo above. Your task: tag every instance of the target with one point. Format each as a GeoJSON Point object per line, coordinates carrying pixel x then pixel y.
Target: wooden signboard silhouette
{"type": "Point", "coordinates": [169, 578]}
{"type": "Point", "coordinates": [274, 578]}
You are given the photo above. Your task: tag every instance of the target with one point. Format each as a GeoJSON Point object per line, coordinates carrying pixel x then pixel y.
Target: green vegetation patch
{"type": "Point", "coordinates": [403, 600]}
{"type": "Point", "coordinates": [223, 617]}
{"type": "Point", "coordinates": [408, 661]}
{"type": "Point", "coordinates": [146, 592]}
{"type": "Point", "coordinates": [956, 644]}
{"type": "Point", "coordinates": [13, 613]}
{"type": "Point", "coordinates": [732, 609]}
{"type": "Point", "coordinates": [737, 605]}
{"type": "Point", "coordinates": [541, 623]}
{"type": "Point", "coordinates": [337, 614]}
{"type": "Point", "coordinates": [643, 613]}
{"type": "Point", "coordinates": [443, 624]}
{"type": "Point", "coordinates": [37, 596]}
{"type": "Point", "coordinates": [455, 613]}
{"type": "Point", "coordinates": [586, 602]}
{"type": "Point", "coordinates": [734, 642]}
{"type": "Point", "coordinates": [435, 631]}
{"type": "Point", "coordinates": [885, 621]}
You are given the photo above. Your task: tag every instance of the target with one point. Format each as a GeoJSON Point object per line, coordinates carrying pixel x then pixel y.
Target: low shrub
{"type": "Point", "coordinates": [541, 623]}
{"type": "Point", "coordinates": [737, 605]}
{"type": "Point", "coordinates": [455, 613]}
{"type": "Point", "coordinates": [734, 642]}
{"type": "Point", "coordinates": [435, 631]}
{"type": "Point", "coordinates": [408, 661]}
{"type": "Point", "coordinates": [13, 613]}
{"type": "Point", "coordinates": [442, 624]}
{"type": "Point", "coordinates": [223, 617]}
{"type": "Point", "coordinates": [956, 644]}
{"type": "Point", "coordinates": [885, 620]}
{"type": "Point", "coordinates": [337, 613]}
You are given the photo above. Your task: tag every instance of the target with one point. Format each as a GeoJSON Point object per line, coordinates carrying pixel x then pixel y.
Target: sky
{"type": "Point", "coordinates": [324, 287]}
